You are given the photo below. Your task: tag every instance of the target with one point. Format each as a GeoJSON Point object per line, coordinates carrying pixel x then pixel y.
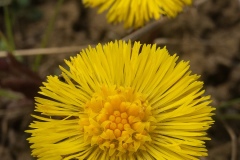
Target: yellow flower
{"type": "Point", "coordinates": [135, 13]}
{"type": "Point", "coordinates": [122, 102]}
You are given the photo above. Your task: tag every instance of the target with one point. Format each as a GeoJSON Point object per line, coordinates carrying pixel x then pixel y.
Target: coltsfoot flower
{"type": "Point", "coordinates": [124, 102]}
{"type": "Point", "coordinates": [135, 13]}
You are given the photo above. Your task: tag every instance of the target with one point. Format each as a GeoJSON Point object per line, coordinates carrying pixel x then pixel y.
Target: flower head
{"type": "Point", "coordinates": [135, 13]}
{"type": "Point", "coordinates": [119, 101]}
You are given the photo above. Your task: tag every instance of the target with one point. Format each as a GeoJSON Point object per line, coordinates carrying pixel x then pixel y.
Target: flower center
{"type": "Point", "coordinates": [118, 120]}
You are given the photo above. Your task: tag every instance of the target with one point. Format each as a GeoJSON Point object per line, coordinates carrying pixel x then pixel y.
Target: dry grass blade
{"type": "Point", "coordinates": [44, 51]}
{"type": "Point", "coordinates": [233, 140]}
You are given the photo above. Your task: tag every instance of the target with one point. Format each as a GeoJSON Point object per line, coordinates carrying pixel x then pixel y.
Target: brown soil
{"type": "Point", "coordinates": [207, 35]}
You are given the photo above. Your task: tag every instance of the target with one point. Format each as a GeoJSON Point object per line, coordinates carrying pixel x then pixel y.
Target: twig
{"type": "Point", "coordinates": [233, 140]}
{"type": "Point", "coordinates": [232, 136]}
{"type": "Point", "coordinates": [221, 149]}
{"type": "Point", "coordinates": [37, 51]}
{"type": "Point", "coordinates": [146, 29]}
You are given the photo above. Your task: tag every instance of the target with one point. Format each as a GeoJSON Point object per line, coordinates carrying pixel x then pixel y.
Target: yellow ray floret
{"type": "Point", "coordinates": [124, 102]}
{"type": "Point", "coordinates": [135, 13]}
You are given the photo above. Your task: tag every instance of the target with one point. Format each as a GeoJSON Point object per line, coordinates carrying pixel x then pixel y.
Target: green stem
{"type": "Point", "coordinates": [8, 94]}
{"type": "Point", "coordinates": [5, 42]}
{"type": "Point", "coordinates": [8, 26]}
{"type": "Point", "coordinates": [222, 117]}
{"type": "Point", "coordinates": [229, 103]}
{"type": "Point", "coordinates": [233, 117]}
{"type": "Point", "coordinates": [47, 33]}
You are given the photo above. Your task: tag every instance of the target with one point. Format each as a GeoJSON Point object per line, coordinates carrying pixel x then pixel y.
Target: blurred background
{"type": "Point", "coordinates": [36, 35]}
